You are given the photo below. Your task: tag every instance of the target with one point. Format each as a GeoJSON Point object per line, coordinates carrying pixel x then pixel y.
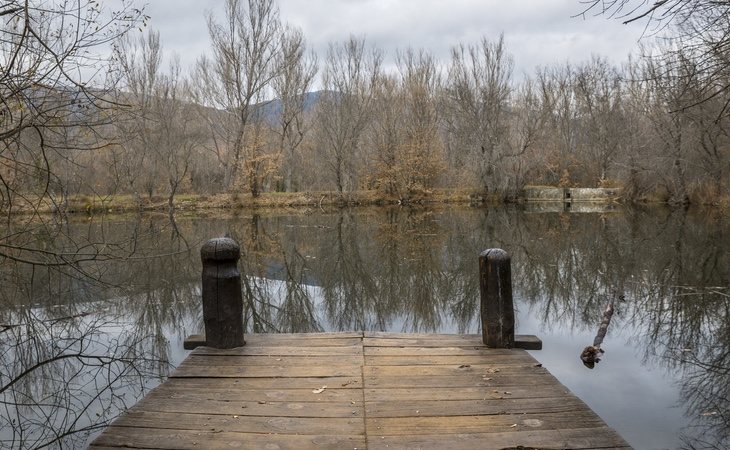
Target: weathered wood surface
{"type": "Point", "coordinates": [383, 391]}
{"type": "Point", "coordinates": [497, 308]}
{"type": "Point", "coordinates": [221, 292]}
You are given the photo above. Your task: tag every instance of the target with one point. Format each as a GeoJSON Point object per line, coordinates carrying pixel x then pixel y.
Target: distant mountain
{"type": "Point", "coordinates": [271, 111]}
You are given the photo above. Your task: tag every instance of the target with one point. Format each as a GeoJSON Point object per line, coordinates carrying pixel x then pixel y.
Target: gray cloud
{"type": "Point", "coordinates": [537, 32]}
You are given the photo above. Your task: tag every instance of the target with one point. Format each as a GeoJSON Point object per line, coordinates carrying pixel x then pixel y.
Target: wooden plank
{"type": "Point", "coordinates": [294, 342]}
{"type": "Point", "coordinates": [480, 424]}
{"type": "Point", "coordinates": [437, 408]}
{"type": "Point", "coordinates": [522, 341]}
{"type": "Point", "coordinates": [476, 338]}
{"type": "Point", "coordinates": [270, 340]}
{"type": "Point", "coordinates": [330, 394]}
{"type": "Point", "coordinates": [241, 424]}
{"type": "Point", "coordinates": [239, 368]}
{"type": "Point", "coordinates": [420, 391]}
{"type": "Point", "coordinates": [528, 342]}
{"type": "Point", "coordinates": [105, 447]}
{"type": "Point", "coordinates": [519, 358]}
{"type": "Point", "coordinates": [250, 408]}
{"type": "Point", "coordinates": [287, 350]}
{"type": "Point", "coordinates": [243, 371]}
{"type": "Point", "coordinates": [277, 337]}
{"type": "Point", "coordinates": [466, 393]}
{"type": "Point", "coordinates": [459, 380]}
{"type": "Point", "coordinates": [273, 383]}
{"type": "Point", "coordinates": [583, 438]}
{"type": "Point", "coordinates": [194, 341]}
{"type": "Point", "coordinates": [437, 351]}
{"type": "Point", "coordinates": [486, 370]}
{"type": "Point", "coordinates": [423, 342]}
{"type": "Point", "coordinates": [197, 440]}
{"type": "Point", "coordinates": [271, 360]}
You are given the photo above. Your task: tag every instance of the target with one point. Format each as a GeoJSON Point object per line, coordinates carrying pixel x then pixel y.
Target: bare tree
{"type": "Point", "coordinates": [178, 129]}
{"type": "Point", "coordinates": [599, 99]}
{"type": "Point", "coordinates": [236, 77]}
{"type": "Point", "coordinates": [344, 109]}
{"type": "Point", "coordinates": [296, 71]}
{"type": "Point", "coordinates": [658, 13]}
{"type": "Point", "coordinates": [133, 160]}
{"type": "Point", "coordinates": [699, 28]}
{"type": "Point", "coordinates": [638, 161]}
{"type": "Point", "coordinates": [668, 93]}
{"type": "Point", "coordinates": [50, 84]}
{"type": "Point", "coordinates": [558, 100]}
{"type": "Point", "coordinates": [158, 131]}
{"type": "Point", "coordinates": [711, 134]}
{"type": "Point", "coordinates": [477, 96]}
{"type": "Point", "coordinates": [423, 148]}
{"type": "Point", "coordinates": [52, 105]}
{"type": "Point", "coordinates": [693, 154]}
{"type": "Point", "coordinates": [385, 136]}
{"type": "Point", "coordinates": [405, 134]}
{"type": "Point", "coordinates": [528, 120]}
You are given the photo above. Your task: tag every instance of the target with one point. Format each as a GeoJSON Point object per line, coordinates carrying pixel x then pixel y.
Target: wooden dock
{"type": "Point", "coordinates": [360, 390]}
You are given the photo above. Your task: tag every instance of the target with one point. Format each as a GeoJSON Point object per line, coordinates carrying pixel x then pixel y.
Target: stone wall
{"type": "Point", "coordinates": [571, 195]}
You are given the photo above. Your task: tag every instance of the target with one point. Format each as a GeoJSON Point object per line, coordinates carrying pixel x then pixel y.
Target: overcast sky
{"type": "Point", "coordinates": [537, 32]}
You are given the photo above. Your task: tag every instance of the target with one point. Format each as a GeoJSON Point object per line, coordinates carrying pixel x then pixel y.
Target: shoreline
{"type": "Point", "coordinates": [199, 202]}
{"type": "Point", "coordinates": [125, 203]}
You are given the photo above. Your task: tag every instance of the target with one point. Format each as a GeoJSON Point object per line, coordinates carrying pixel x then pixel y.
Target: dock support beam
{"type": "Point", "coordinates": [497, 309]}
{"type": "Point", "coordinates": [222, 301]}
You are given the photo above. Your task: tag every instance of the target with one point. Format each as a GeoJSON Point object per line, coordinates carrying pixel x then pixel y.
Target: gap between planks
{"type": "Point", "coordinates": [415, 391]}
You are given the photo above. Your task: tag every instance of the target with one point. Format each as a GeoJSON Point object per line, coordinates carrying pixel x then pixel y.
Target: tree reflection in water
{"type": "Point", "coordinates": [81, 343]}
{"type": "Point", "coordinates": [62, 378]}
{"type": "Point", "coordinates": [410, 270]}
{"type": "Point", "coordinates": [672, 268]}
{"type": "Point", "coordinates": [381, 269]}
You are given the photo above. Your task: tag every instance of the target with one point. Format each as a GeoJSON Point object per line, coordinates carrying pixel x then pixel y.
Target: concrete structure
{"type": "Point", "coordinates": [571, 195]}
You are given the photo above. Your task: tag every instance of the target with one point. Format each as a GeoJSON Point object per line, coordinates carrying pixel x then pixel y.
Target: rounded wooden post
{"type": "Point", "coordinates": [497, 310]}
{"type": "Point", "coordinates": [222, 301]}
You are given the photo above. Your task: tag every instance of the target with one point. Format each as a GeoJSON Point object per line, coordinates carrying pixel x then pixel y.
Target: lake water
{"type": "Point", "coordinates": [78, 345]}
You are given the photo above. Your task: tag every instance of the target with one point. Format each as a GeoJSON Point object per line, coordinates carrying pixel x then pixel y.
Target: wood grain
{"type": "Point", "coordinates": [360, 390]}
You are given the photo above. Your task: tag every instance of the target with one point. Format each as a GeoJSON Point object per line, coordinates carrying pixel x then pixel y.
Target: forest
{"type": "Point", "coordinates": [260, 112]}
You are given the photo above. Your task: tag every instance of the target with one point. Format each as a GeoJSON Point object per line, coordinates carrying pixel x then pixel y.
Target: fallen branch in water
{"type": "Point", "coordinates": [592, 354]}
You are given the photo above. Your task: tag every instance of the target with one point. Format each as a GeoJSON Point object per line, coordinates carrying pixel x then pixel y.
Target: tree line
{"type": "Point", "coordinates": [260, 112]}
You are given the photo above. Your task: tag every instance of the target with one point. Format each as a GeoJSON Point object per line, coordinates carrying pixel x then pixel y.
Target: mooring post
{"type": "Point", "coordinates": [497, 309]}
{"type": "Point", "coordinates": [222, 301]}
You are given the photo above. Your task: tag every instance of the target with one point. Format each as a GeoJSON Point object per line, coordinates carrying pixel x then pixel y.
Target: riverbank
{"type": "Point", "coordinates": [317, 200]}
{"type": "Point", "coordinates": [193, 202]}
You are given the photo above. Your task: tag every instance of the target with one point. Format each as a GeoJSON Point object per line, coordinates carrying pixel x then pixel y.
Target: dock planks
{"type": "Point", "coordinates": [360, 390]}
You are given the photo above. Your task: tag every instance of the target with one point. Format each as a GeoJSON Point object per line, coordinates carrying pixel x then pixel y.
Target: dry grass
{"type": "Point", "coordinates": [705, 193]}
{"type": "Point", "coordinates": [191, 202]}
{"type": "Point", "coordinates": [301, 201]}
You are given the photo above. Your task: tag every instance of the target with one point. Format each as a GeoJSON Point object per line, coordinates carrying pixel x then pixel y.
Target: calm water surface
{"type": "Point", "coordinates": [79, 345]}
